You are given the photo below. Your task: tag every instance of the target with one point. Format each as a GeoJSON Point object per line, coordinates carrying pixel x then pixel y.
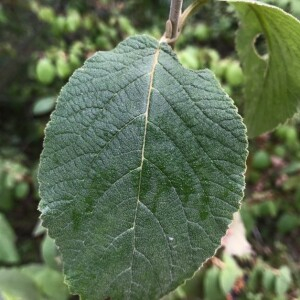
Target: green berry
{"type": "Point", "coordinates": [291, 136]}
{"type": "Point", "coordinates": [88, 23]}
{"type": "Point", "coordinates": [76, 48]}
{"type": "Point", "coordinates": [74, 60]}
{"type": "Point", "coordinates": [45, 71]}
{"type": "Point", "coordinates": [213, 56]}
{"type": "Point", "coordinates": [73, 21]}
{"type": "Point", "coordinates": [202, 32]}
{"type": "Point", "coordinates": [234, 74]}
{"type": "Point", "coordinates": [261, 160]}
{"type": "Point", "coordinates": [62, 67]}
{"type": "Point", "coordinates": [125, 26]}
{"type": "Point", "coordinates": [21, 190]}
{"type": "Point", "coordinates": [220, 67]}
{"type": "Point", "coordinates": [103, 42]}
{"type": "Point", "coordinates": [280, 131]}
{"type": "Point", "coordinates": [189, 58]}
{"type": "Point", "coordinates": [59, 26]}
{"type": "Point", "coordinates": [288, 134]}
{"type": "Point", "coordinates": [279, 151]}
{"type": "Point", "coordinates": [46, 14]}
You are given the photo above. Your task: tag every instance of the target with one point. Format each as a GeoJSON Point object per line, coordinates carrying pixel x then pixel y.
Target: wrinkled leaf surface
{"type": "Point", "coordinates": [141, 171]}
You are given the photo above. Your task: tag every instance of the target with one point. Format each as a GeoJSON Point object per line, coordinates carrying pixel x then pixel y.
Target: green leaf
{"type": "Point", "coordinates": [43, 106]}
{"type": "Point", "coordinates": [268, 280]}
{"type": "Point", "coordinates": [141, 171]}
{"type": "Point", "coordinates": [212, 289]}
{"type": "Point", "coordinates": [15, 285]}
{"type": "Point", "coordinates": [255, 276]}
{"type": "Point", "coordinates": [8, 251]}
{"type": "Point", "coordinates": [49, 282]}
{"type": "Point", "coordinates": [229, 274]}
{"type": "Point", "coordinates": [283, 281]}
{"type": "Point", "coordinates": [32, 282]}
{"type": "Point", "coordinates": [288, 222]}
{"type": "Point", "coordinates": [273, 80]}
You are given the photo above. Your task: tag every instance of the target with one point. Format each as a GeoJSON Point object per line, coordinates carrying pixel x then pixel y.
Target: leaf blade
{"type": "Point", "coordinates": [272, 84]}
{"type": "Point", "coordinates": [114, 156]}
{"type": "Point", "coordinates": [8, 250]}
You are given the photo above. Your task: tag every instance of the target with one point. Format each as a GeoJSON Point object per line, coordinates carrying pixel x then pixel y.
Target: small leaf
{"type": "Point", "coordinates": [212, 288]}
{"type": "Point", "coordinates": [254, 278]}
{"type": "Point", "coordinates": [272, 80]}
{"type": "Point", "coordinates": [229, 274]}
{"type": "Point", "coordinates": [8, 250]}
{"type": "Point", "coordinates": [141, 172]}
{"type": "Point", "coordinates": [268, 280]}
{"type": "Point", "coordinates": [283, 281]}
{"type": "Point", "coordinates": [49, 282]}
{"type": "Point", "coordinates": [16, 285]}
{"type": "Point", "coordinates": [288, 222]}
{"type": "Point", "coordinates": [43, 106]}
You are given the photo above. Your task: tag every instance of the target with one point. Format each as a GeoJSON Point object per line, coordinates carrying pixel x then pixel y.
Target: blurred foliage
{"type": "Point", "coordinates": [41, 43]}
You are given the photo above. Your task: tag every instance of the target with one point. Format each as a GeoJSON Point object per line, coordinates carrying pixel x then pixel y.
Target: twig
{"type": "Point", "coordinates": [172, 25]}
{"type": "Point", "coordinates": [174, 16]}
{"type": "Point", "coordinates": [177, 19]}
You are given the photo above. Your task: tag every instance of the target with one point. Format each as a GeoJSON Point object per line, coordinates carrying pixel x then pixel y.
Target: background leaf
{"type": "Point", "coordinates": [283, 281]}
{"type": "Point", "coordinates": [16, 285]}
{"type": "Point", "coordinates": [229, 274]}
{"type": "Point", "coordinates": [8, 251]}
{"type": "Point", "coordinates": [43, 106]}
{"type": "Point", "coordinates": [212, 285]}
{"type": "Point", "coordinates": [272, 79]}
{"type": "Point", "coordinates": [49, 282]}
{"type": "Point", "coordinates": [141, 172]}
{"type": "Point", "coordinates": [32, 282]}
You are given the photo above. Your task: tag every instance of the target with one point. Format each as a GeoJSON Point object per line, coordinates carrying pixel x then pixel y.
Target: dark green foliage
{"type": "Point", "coordinates": [31, 31]}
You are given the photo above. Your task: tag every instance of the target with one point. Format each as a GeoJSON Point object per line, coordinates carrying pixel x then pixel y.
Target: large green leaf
{"type": "Point", "coordinates": [141, 171]}
{"type": "Point", "coordinates": [273, 81]}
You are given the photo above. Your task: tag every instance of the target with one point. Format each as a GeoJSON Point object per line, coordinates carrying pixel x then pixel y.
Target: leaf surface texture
{"type": "Point", "coordinates": [142, 169]}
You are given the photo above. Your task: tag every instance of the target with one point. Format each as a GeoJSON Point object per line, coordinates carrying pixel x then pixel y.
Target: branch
{"type": "Point", "coordinates": [177, 19]}
{"type": "Point", "coordinates": [172, 25]}
{"type": "Point", "coordinates": [174, 16]}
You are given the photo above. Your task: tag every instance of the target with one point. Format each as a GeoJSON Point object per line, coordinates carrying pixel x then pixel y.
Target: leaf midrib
{"type": "Point", "coordinates": [154, 64]}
